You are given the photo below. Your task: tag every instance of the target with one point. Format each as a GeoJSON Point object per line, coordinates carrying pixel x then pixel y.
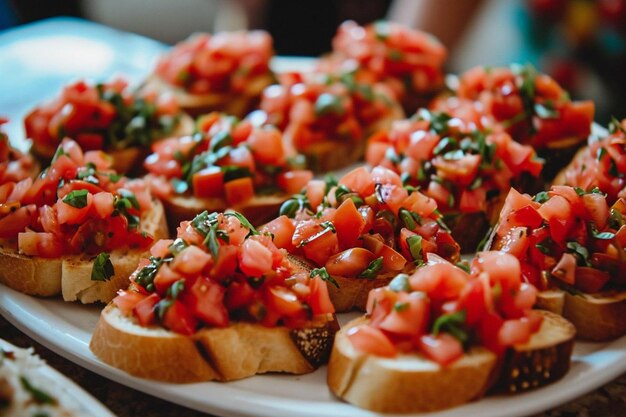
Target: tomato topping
{"type": "Point", "coordinates": [443, 349]}
{"type": "Point", "coordinates": [577, 234]}
{"type": "Point", "coordinates": [371, 340]}
{"type": "Point", "coordinates": [74, 207]}
{"type": "Point", "coordinates": [102, 116]}
{"type": "Point", "coordinates": [209, 275]}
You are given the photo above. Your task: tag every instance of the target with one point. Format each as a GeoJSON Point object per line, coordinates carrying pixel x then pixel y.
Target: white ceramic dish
{"type": "Point", "coordinates": [80, 400]}
{"type": "Point", "coordinates": [66, 329]}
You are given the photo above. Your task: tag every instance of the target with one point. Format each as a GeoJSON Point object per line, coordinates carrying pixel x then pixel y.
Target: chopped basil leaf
{"type": "Point", "coordinates": [324, 275]}
{"type": "Point", "coordinates": [130, 197]}
{"type": "Point", "coordinates": [541, 197]}
{"type": "Point", "coordinates": [407, 219]}
{"type": "Point", "coordinates": [400, 283]}
{"type": "Point", "coordinates": [372, 269]}
{"type": "Point", "coordinates": [145, 277]}
{"type": "Point", "coordinates": [328, 103]}
{"type": "Point", "coordinates": [444, 144]}
{"type": "Point", "coordinates": [600, 153]}
{"type": "Point", "coordinates": [220, 140]}
{"type": "Point", "coordinates": [415, 248]}
{"type": "Point", "coordinates": [233, 172]}
{"type": "Point", "coordinates": [579, 191]}
{"type": "Point", "coordinates": [464, 265]}
{"type": "Point", "coordinates": [452, 323]}
{"type": "Point", "coordinates": [162, 306]}
{"type": "Point", "coordinates": [615, 125]}
{"type": "Point", "coordinates": [329, 225]}
{"type": "Point", "coordinates": [400, 307]}
{"type": "Point", "coordinates": [76, 198]}
{"type": "Point", "coordinates": [602, 235]}
{"type": "Point", "coordinates": [176, 289]}
{"type": "Point", "coordinates": [177, 246]}
{"type": "Point", "coordinates": [292, 206]}
{"type": "Point", "coordinates": [382, 30]}
{"type": "Point", "coordinates": [244, 222]}
{"type": "Point", "coordinates": [179, 186]}
{"type": "Point", "coordinates": [39, 396]}
{"type": "Point", "coordinates": [580, 251]}
{"type": "Point", "coordinates": [102, 269]}
{"type": "Point", "coordinates": [546, 110]}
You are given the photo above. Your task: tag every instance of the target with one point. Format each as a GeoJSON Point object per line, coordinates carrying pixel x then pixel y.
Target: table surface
{"type": "Point", "coordinates": [44, 56]}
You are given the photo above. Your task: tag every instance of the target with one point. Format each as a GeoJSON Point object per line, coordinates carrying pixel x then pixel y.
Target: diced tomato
{"type": "Point", "coordinates": [267, 146]}
{"type": "Point", "coordinates": [208, 183]}
{"type": "Point", "coordinates": [558, 212]}
{"type": "Point", "coordinates": [255, 259]}
{"type": "Point", "coordinates": [350, 262]}
{"type": "Point", "coordinates": [282, 228]}
{"type": "Point", "coordinates": [238, 295]}
{"type": "Point", "coordinates": [393, 196]}
{"type": "Point", "coordinates": [526, 216]}
{"type": "Point", "coordinates": [349, 224]}
{"type": "Point", "coordinates": [420, 204]}
{"type": "Point", "coordinates": [488, 332]}
{"type": "Point", "coordinates": [525, 297]}
{"type": "Point", "coordinates": [239, 191]}
{"type": "Point", "coordinates": [441, 281]}
{"type": "Point", "coordinates": [501, 267]}
{"type": "Point", "coordinates": [382, 175]}
{"type": "Point", "coordinates": [180, 319]}
{"type": "Point", "coordinates": [144, 309]}
{"type": "Point", "coordinates": [191, 261]}
{"type": "Point", "coordinates": [515, 242]}
{"type": "Point", "coordinates": [565, 269]}
{"type": "Point", "coordinates": [392, 260]}
{"type": "Point", "coordinates": [319, 300]}
{"type": "Point", "coordinates": [283, 301]}
{"type": "Point", "coordinates": [164, 278]}
{"type": "Point", "coordinates": [590, 280]}
{"type": "Point", "coordinates": [360, 181]}
{"type": "Point", "coordinates": [514, 331]}
{"type": "Point", "coordinates": [443, 349]}
{"type": "Point", "coordinates": [73, 215]}
{"type": "Point", "coordinates": [17, 221]}
{"type": "Point", "coordinates": [315, 190]}
{"type": "Point", "coordinates": [321, 246]}
{"type": "Point", "coordinates": [597, 208]}
{"type": "Point", "coordinates": [226, 263]}
{"type": "Point", "coordinates": [205, 300]}
{"type": "Point", "coordinates": [127, 300]}
{"type": "Point", "coordinates": [472, 301]}
{"type": "Point", "coordinates": [409, 316]}
{"type": "Point", "coordinates": [161, 248]}
{"type": "Point", "coordinates": [103, 204]}
{"type": "Point", "coordinates": [461, 171]}
{"type": "Point", "coordinates": [292, 182]}
{"type": "Point", "coordinates": [370, 340]}
{"type": "Point", "coordinates": [473, 200]}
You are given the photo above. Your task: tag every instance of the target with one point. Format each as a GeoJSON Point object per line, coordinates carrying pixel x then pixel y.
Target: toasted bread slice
{"type": "Point", "coordinates": [71, 275]}
{"type": "Point", "coordinates": [227, 102]}
{"type": "Point", "coordinates": [597, 317]}
{"type": "Point", "coordinates": [129, 160]}
{"type": "Point", "coordinates": [258, 210]}
{"type": "Point", "coordinates": [408, 383]}
{"type": "Point", "coordinates": [411, 383]}
{"type": "Point", "coordinates": [223, 354]}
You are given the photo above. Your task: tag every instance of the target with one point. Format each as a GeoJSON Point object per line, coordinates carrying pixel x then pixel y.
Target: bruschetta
{"type": "Point", "coordinates": [408, 61]}
{"type": "Point", "coordinates": [467, 171]}
{"type": "Point", "coordinates": [601, 164]}
{"type": "Point", "coordinates": [529, 105]}
{"type": "Point", "coordinates": [361, 231]}
{"type": "Point", "coordinates": [78, 229]}
{"type": "Point", "coordinates": [224, 72]}
{"type": "Point", "coordinates": [571, 246]}
{"type": "Point", "coordinates": [442, 337]}
{"type": "Point", "coordinates": [220, 302]}
{"type": "Point", "coordinates": [328, 117]}
{"type": "Point", "coordinates": [228, 163]}
{"type": "Point", "coordinates": [14, 164]}
{"type": "Point", "coordinates": [108, 117]}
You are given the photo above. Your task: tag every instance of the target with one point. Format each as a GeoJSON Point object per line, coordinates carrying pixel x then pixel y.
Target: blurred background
{"type": "Point", "coordinates": [581, 43]}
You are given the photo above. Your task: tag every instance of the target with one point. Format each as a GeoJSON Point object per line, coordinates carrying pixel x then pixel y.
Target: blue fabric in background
{"type": "Point", "coordinates": [8, 17]}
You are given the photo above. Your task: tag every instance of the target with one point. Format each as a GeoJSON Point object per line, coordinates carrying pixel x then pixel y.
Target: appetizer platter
{"type": "Point", "coordinates": [336, 294]}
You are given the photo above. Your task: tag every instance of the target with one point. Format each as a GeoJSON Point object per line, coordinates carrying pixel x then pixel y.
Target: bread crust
{"type": "Point", "coordinates": [409, 383]}
{"type": "Point", "coordinates": [258, 210]}
{"type": "Point", "coordinates": [198, 104]}
{"type": "Point", "coordinates": [222, 354]}
{"type": "Point", "coordinates": [70, 276]}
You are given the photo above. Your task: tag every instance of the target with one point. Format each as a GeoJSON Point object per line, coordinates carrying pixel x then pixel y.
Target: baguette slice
{"type": "Point", "coordinates": [411, 383]}
{"type": "Point", "coordinates": [227, 102]}
{"type": "Point", "coordinates": [71, 275]}
{"type": "Point", "coordinates": [598, 317]}
{"type": "Point", "coordinates": [258, 210]}
{"type": "Point", "coordinates": [222, 354]}
{"type": "Point", "coordinates": [408, 383]}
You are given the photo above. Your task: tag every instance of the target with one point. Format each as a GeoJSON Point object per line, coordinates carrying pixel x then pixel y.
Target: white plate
{"type": "Point", "coordinates": [80, 400]}
{"type": "Point", "coordinates": [66, 329]}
